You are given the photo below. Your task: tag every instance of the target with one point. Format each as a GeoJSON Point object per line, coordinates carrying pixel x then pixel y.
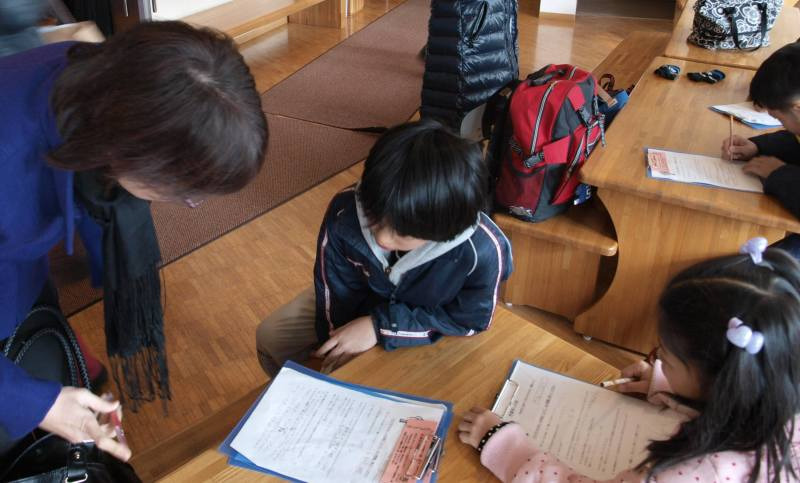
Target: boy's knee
{"type": "Point", "coordinates": [264, 334]}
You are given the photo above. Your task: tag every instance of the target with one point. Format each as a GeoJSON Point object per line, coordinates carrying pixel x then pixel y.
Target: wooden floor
{"type": "Point", "coordinates": [217, 295]}
{"type": "Point", "coordinates": [658, 9]}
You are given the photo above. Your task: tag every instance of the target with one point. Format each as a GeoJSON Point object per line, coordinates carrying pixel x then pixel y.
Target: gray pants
{"type": "Point", "coordinates": [288, 333]}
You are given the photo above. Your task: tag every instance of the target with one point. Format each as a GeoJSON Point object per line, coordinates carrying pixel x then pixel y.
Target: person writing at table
{"type": "Point", "coordinates": [89, 132]}
{"type": "Point", "coordinates": [729, 330]}
{"type": "Point", "coordinates": [775, 157]}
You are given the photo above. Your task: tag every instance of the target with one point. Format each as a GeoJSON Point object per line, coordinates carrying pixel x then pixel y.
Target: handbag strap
{"type": "Point", "coordinates": [77, 470]}
{"type": "Point", "coordinates": [66, 338]}
{"type": "Point", "coordinates": [729, 11]}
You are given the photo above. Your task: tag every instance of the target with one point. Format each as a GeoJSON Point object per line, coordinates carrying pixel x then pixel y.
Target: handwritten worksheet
{"type": "Point", "coordinates": [596, 431]}
{"type": "Point", "coordinates": [309, 429]}
{"type": "Point", "coordinates": [699, 169]}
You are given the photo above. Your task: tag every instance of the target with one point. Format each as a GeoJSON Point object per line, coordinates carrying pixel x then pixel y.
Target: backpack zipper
{"type": "Point", "coordinates": [539, 117]}
{"type": "Point", "coordinates": [572, 73]}
{"type": "Point", "coordinates": [576, 159]}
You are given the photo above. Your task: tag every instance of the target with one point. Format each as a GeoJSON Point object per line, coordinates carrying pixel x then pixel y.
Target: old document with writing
{"type": "Point", "coordinates": [310, 429]}
{"type": "Point", "coordinates": [699, 169]}
{"type": "Point", "coordinates": [596, 431]}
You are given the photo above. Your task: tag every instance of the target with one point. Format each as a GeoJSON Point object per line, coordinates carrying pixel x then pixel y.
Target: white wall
{"type": "Point", "coordinates": [567, 7]}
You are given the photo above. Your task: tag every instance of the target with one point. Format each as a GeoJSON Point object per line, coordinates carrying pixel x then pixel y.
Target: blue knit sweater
{"type": "Point", "coordinates": [37, 210]}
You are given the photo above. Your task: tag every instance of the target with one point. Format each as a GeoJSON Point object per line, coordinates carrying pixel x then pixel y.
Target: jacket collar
{"type": "Point", "coordinates": [416, 257]}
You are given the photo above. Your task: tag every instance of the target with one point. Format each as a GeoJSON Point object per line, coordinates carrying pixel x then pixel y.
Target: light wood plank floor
{"type": "Point", "coordinates": [217, 295]}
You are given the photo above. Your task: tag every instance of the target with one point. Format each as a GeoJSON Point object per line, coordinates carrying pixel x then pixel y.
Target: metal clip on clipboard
{"type": "Point", "coordinates": [504, 398]}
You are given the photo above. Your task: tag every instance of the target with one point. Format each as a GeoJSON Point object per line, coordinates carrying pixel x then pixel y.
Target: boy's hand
{"type": "Point", "coordinates": [347, 341]}
{"type": "Point", "coordinates": [642, 372]}
{"type": "Point", "coordinates": [475, 424]}
{"type": "Point", "coordinates": [737, 148]}
{"type": "Point", "coordinates": [762, 166]}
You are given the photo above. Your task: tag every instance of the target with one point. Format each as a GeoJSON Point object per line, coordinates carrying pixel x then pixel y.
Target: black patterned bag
{"type": "Point", "coordinates": [733, 24]}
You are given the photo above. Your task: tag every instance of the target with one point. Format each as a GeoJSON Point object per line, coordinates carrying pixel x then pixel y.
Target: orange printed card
{"type": "Point", "coordinates": [411, 452]}
{"type": "Point", "coordinates": [658, 162]}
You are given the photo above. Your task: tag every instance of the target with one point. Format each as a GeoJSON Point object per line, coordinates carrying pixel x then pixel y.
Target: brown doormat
{"type": "Point", "coordinates": [373, 78]}
{"type": "Point", "coordinates": [300, 156]}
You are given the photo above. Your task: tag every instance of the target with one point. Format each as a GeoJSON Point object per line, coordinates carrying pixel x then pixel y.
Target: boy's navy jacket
{"type": "Point", "coordinates": [784, 182]}
{"type": "Point", "coordinates": [438, 289]}
{"type": "Point", "coordinates": [37, 211]}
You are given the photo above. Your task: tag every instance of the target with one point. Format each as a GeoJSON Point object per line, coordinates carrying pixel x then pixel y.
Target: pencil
{"type": "Point", "coordinates": [615, 382]}
{"type": "Point", "coordinates": [730, 137]}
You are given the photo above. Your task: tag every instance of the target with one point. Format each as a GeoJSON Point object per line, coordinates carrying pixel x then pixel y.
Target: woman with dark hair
{"type": "Point", "coordinates": [88, 134]}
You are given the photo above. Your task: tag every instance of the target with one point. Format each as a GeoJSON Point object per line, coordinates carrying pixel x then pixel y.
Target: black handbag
{"type": "Point", "coordinates": [734, 24]}
{"type": "Point", "coordinates": [46, 347]}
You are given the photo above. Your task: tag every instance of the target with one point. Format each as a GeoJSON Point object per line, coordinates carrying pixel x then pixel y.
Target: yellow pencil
{"type": "Point", "coordinates": [614, 382]}
{"type": "Point", "coordinates": [730, 137]}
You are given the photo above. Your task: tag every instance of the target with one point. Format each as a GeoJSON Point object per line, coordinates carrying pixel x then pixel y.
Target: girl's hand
{"type": "Point", "coordinates": [762, 166]}
{"type": "Point", "coordinates": [74, 417]}
{"type": "Point", "coordinates": [737, 148]}
{"type": "Point", "coordinates": [346, 342]}
{"type": "Point", "coordinates": [642, 372]}
{"type": "Point", "coordinates": [477, 421]}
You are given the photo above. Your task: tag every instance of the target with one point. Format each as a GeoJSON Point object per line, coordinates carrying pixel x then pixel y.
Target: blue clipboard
{"type": "Point", "coordinates": [746, 123]}
{"type": "Point", "coordinates": [236, 459]}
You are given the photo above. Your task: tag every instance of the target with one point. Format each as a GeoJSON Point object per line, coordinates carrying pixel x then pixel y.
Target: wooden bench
{"type": "Point", "coordinates": [563, 265]}
{"type": "Point", "coordinates": [247, 19]}
{"type": "Point", "coordinates": [558, 262]}
{"type": "Point", "coordinates": [680, 5]}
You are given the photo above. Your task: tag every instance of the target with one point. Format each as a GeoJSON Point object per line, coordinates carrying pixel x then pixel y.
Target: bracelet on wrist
{"type": "Point", "coordinates": [489, 434]}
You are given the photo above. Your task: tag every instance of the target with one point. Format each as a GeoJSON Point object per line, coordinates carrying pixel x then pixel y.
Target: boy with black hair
{"type": "Point", "coordinates": [775, 157]}
{"type": "Point", "coordinates": [403, 258]}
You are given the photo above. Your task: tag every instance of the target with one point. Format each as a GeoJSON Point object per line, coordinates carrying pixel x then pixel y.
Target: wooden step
{"type": "Point", "coordinates": [585, 227]}
{"type": "Point", "coordinates": [168, 454]}
{"type": "Point", "coordinates": [246, 19]}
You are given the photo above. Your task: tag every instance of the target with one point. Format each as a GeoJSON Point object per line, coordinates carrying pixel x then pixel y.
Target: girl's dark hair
{"type": "Point", "coordinates": [423, 181]}
{"type": "Point", "coordinates": [776, 83]}
{"type": "Point", "coordinates": [749, 400]}
{"type": "Point", "coordinates": [165, 104]}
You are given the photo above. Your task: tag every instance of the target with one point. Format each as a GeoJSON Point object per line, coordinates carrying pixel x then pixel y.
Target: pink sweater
{"type": "Point", "coordinates": [512, 457]}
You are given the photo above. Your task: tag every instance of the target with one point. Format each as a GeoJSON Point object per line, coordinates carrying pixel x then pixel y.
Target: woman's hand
{"type": "Point", "coordinates": [642, 371]}
{"type": "Point", "coordinates": [475, 424]}
{"type": "Point", "coordinates": [346, 342]}
{"type": "Point", "coordinates": [74, 417]}
{"type": "Point", "coordinates": [737, 148]}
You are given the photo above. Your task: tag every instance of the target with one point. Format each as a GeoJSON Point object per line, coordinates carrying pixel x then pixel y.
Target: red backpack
{"type": "Point", "coordinates": [555, 124]}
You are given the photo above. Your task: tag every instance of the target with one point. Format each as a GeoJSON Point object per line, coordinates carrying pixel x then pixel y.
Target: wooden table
{"type": "Point", "coordinates": [465, 370]}
{"type": "Point", "coordinates": [663, 227]}
{"type": "Point", "coordinates": [632, 56]}
{"type": "Point", "coordinates": [786, 30]}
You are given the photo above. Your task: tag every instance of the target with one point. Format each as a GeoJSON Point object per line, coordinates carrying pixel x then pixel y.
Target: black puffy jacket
{"type": "Point", "coordinates": [472, 53]}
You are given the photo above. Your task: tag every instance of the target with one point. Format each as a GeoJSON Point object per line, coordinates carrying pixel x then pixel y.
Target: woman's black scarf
{"type": "Point", "coordinates": [134, 318]}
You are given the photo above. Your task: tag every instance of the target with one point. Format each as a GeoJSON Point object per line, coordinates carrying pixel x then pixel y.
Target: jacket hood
{"type": "Point", "coordinates": [416, 257]}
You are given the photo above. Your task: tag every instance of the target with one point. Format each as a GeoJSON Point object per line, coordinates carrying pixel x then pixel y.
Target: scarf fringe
{"type": "Point", "coordinates": [135, 340]}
